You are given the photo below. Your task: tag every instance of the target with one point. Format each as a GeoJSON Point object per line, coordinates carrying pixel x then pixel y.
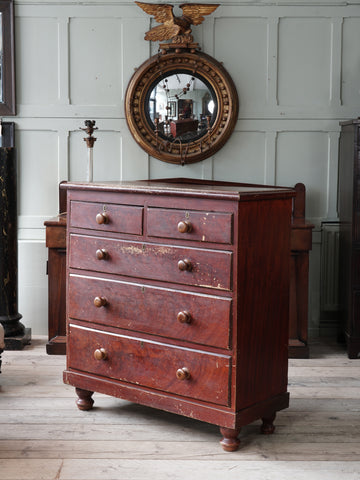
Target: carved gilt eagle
{"type": "Point", "coordinates": [172, 26]}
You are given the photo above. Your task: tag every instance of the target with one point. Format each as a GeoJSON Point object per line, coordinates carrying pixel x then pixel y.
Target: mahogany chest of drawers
{"type": "Point", "coordinates": [178, 298]}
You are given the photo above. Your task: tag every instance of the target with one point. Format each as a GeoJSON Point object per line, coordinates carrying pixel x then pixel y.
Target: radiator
{"type": "Point", "coordinates": [329, 268]}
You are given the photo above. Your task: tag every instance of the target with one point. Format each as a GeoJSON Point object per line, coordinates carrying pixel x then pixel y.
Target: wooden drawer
{"type": "Point", "coordinates": [201, 319]}
{"type": "Point", "coordinates": [151, 364]}
{"type": "Point", "coordinates": [119, 218]}
{"type": "Point", "coordinates": [207, 268]}
{"type": "Point", "coordinates": [190, 225]}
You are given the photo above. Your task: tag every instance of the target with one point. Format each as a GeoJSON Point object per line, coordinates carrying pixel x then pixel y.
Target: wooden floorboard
{"type": "Point", "coordinates": [43, 436]}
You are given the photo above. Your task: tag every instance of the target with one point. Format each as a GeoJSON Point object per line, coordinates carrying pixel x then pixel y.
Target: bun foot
{"type": "Point", "coordinates": [268, 427]}
{"type": "Point", "coordinates": [84, 402]}
{"type": "Point", "coordinates": [230, 442]}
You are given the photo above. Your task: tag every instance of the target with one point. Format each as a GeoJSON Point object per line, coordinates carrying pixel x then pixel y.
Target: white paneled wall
{"type": "Point", "coordinates": [296, 67]}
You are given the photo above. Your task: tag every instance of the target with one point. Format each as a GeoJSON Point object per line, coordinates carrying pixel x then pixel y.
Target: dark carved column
{"type": "Point", "coordinates": [16, 335]}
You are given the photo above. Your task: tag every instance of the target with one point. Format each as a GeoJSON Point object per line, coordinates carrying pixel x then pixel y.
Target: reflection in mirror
{"type": "Point", "coordinates": [181, 107]}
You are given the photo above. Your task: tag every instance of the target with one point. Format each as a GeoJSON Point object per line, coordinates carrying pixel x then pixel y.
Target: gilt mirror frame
{"type": "Point", "coordinates": [7, 65]}
{"type": "Point", "coordinates": [209, 71]}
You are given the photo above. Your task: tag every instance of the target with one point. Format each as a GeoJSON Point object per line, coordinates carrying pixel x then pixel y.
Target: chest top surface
{"type": "Point", "coordinates": [187, 187]}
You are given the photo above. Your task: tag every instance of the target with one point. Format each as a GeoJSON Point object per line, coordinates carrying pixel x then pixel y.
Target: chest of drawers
{"type": "Point", "coordinates": [178, 298]}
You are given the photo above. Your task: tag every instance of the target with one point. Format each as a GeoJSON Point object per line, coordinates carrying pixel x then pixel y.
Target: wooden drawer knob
{"type": "Point", "coordinates": [184, 265]}
{"type": "Point", "coordinates": [102, 218]}
{"type": "Point", "coordinates": [100, 302]}
{"type": "Point", "coordinates": [102, 254]}
{"type": "Point", "coordinates": [184, 317]}
{"type": "Point", "coordinates": [184, 227]}
{"type": "Point", "coordinates": [100, 354]}
{"type": "Point", "coordinates": [183, 374]}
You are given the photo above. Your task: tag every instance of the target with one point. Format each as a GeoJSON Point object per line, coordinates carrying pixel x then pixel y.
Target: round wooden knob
{"type": "Point", "coordinates": [102, 254]}
{"type": "Point", "coordinates": [184, 317]}
{"type": "Point", "coordinates": [183, 374]}
{"type": "Point", "coordinates": [102, 218]}
{"type": "Point", "coordinates": [184, 227]}
{"type": "Point", "coordinates": [100, 302]}
{"type": "Point", "coordinates": [184, 264]}
{"type": "Point", "coordinates": [100, 354]}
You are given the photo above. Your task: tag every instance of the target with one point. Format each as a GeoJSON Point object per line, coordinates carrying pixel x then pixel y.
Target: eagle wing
{"type": "Point", "coordinates": [195, 11]}
{"type": "Point", "coordinates": [163, 13]}
{"type": "Point", "coordinates": [162, 32]}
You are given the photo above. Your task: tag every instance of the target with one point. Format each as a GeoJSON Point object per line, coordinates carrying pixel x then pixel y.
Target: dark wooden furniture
{"type": "Point", "coordinates": [349, 215]}
{"type": "Point", "coordinates": [16, 335]}
{"type": "Point", "coordinates": [56, 271]}
{"type": "Point", "coordinates": [185, 125]}
{"type": "Point", "coordinates": [178, 298]}
{"type": "Point", "coordinates": [301, 242]}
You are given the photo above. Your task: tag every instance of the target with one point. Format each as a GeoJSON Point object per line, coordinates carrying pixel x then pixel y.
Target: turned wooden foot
{"type": "Point", "coordinates": [230, 442]}
{"type": "Point", "coordinates": [84, 402]}
{"type": "Point", "coordinates": [268, 426]}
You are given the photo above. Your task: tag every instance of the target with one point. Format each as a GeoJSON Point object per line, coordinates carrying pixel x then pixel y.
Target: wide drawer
{"type": "Point", "coordinates": [107, 217]}
{"type": "Point", "coordinates": [189, 225]}
{"type": "Point", "coordinates": [202, 319]}
{"type": "Point", "coordinates": [190, 266]}
{"type": "Point", "coordinates": [158, 366]}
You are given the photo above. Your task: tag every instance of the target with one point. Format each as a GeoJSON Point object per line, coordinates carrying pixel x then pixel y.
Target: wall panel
{"type": "Point", "coordinates": [244, 54]}
{"type": "Point", "coordinates": [106, 156]}
{"type": "Point", "coordinates": [33, 291]}
{"type": "Point", "coordinates": [37, 61]}
{"type": "Point", "coordinates": [244, 161]}
{"type": "Point", "coordinates": [303, 157]}
{"type": "Point", "coordinates": [350, 74]}
{"type": "Point", "coordinates": [304, 62]}
{"type": "Point", "coordinates": [95, 61]}
{"type": "Point", "coordinates": [37, 173]}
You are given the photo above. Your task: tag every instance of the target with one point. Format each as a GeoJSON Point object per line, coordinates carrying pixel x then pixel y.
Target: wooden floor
{"type": "Point", "coordinates": [43, 436]}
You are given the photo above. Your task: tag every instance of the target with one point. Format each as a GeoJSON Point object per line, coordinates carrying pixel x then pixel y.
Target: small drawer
{"type": "Point", "coordinates": [107, 217]}
{"type": "Point", "coordinates": [166, 368]}
{"type": "Point", "coordinates": [190, 225]}
{"type": "Point", "coordinates": [201, 319]}
{"type": "Point", "coordinates": [190, 266]}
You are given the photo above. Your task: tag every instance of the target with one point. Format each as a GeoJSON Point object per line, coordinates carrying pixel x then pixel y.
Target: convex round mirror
{"type": "Point", "coordinates": [181, 107]}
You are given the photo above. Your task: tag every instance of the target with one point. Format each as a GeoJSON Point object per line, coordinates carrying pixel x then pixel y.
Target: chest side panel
{"type": "Point", "coordinates": [263, 299]}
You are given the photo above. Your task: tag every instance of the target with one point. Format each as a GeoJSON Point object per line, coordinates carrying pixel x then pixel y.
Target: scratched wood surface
{"type": "Point", "coordinates": [43, 436]}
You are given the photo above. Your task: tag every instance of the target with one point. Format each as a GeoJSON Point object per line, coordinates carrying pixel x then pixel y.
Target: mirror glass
{"type": "Point", "coordinates": [181, 106]}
